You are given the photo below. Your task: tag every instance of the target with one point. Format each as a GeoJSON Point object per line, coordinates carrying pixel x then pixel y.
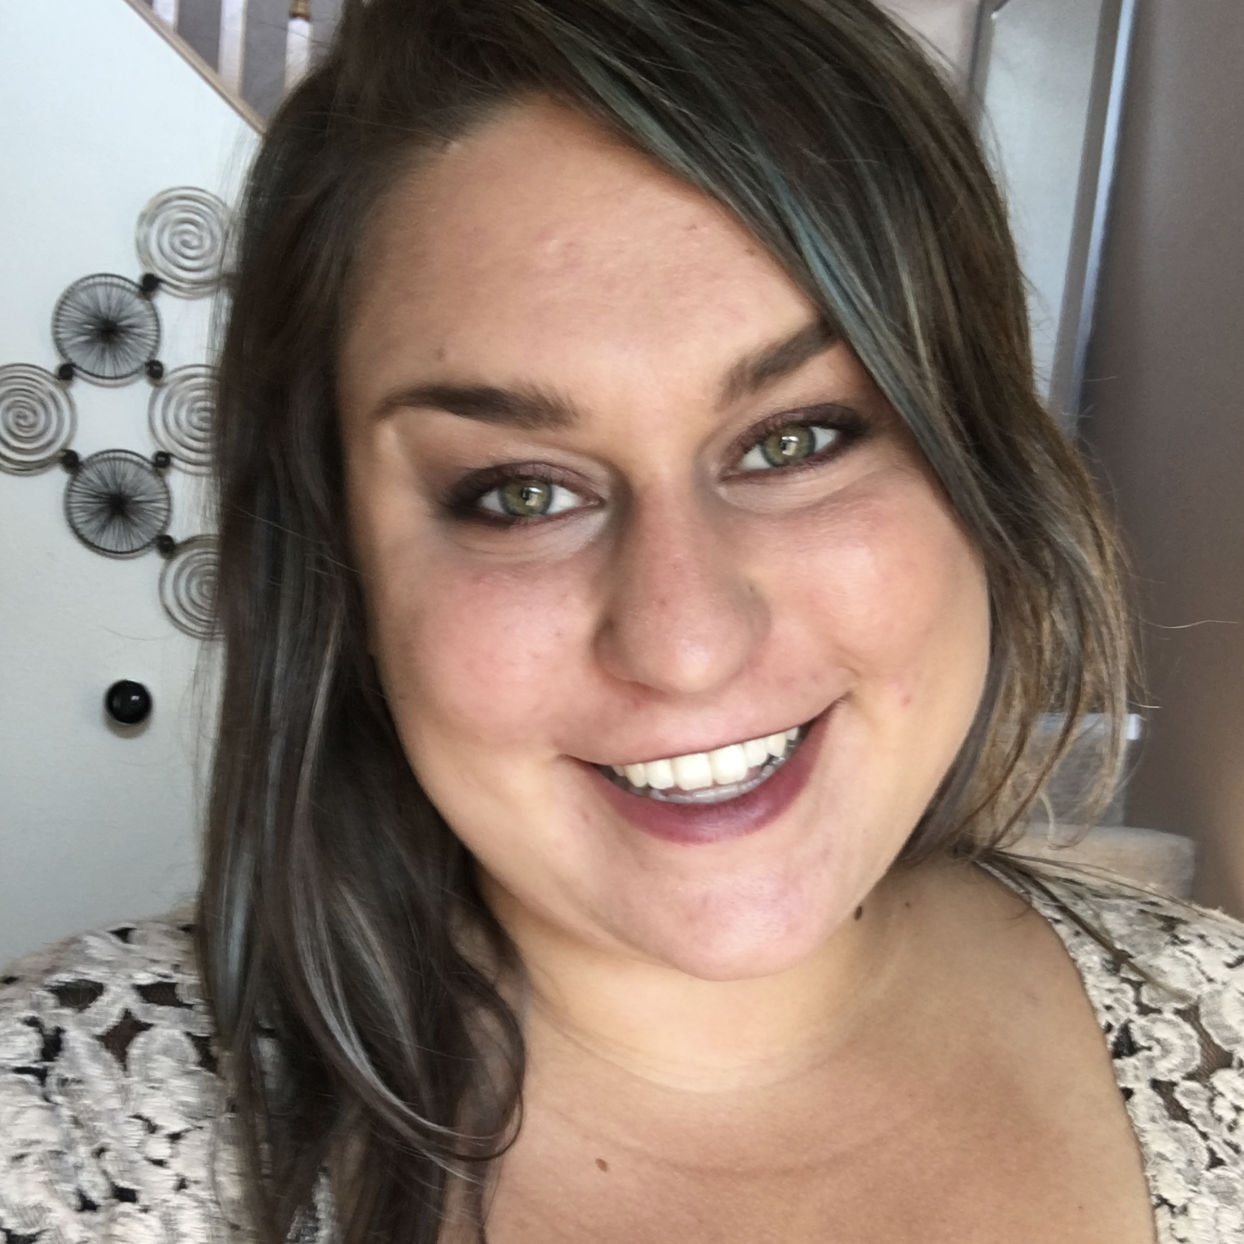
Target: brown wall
{"type": "Point", "coordinates": [1166, 418]}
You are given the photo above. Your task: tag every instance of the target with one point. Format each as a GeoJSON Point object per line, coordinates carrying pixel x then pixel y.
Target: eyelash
{"type": "Point", "coordinates": [848, 424]}
{"type": "Point", "coordinates": [463, 499]}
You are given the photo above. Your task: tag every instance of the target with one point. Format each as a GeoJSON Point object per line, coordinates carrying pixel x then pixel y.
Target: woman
{"type": "Point", "coordinates": [644, 566]}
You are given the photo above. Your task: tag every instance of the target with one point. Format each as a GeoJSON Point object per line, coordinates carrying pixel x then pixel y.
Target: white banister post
{"type": "Point", "coordinates": [297, 42]}
{"type": "Point", "coordinates": [232, 43]}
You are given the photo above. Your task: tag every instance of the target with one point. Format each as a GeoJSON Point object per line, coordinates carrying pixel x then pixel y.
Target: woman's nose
{"type": "Point", "coordinates": [680, 615]}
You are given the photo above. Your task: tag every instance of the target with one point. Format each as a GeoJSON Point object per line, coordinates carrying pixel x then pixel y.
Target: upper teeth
{"type": "Point", "coordinates": [700, 770]}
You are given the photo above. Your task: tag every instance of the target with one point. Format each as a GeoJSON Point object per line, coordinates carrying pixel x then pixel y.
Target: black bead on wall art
{"type": "Point", "coordinates": [106, 330]}
{"type": "Point", "coordinates": [127, 702]}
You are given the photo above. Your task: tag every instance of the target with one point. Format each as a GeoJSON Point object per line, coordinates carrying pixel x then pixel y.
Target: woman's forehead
{"type": "Point", "coordinates": [540, 231]}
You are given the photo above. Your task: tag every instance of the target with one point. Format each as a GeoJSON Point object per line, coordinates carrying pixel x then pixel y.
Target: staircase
{"type": "Point", "coordinates": [253, 49]}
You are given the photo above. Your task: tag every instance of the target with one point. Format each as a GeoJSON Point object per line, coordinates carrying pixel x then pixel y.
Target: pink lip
{"type": "Point", "coordinates": [694, 824]}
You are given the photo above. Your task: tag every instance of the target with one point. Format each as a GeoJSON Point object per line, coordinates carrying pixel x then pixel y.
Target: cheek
{"type": "Point", "coordinates": [891, 587]}
{"type": "Point", "coordinates": [467, 651]}
{"type": "Point", "coordinates": [484, 656]}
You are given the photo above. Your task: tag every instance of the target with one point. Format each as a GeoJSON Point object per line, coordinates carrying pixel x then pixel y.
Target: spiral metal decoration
{"type": "Point", "coordinates": [180, 415]}
{"type": "Point", "coordinates": [117, 503]}
{"type": "Point", "coordinates": [188, 587]}
{"type": "Point", "coordinates": [106, 327]}
{"type": "Point", "coordinates": [37, 419]}
{"type": "Point", "coordinates": [182, 238]}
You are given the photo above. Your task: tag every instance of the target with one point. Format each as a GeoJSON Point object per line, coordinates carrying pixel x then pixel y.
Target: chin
{"type": "Point", "coordinates": [744, 931]}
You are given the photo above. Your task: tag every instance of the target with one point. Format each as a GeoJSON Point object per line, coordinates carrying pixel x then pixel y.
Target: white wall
{"type": "Point", "coordinates": [1039, 127]}
{"type": "Point", "coordinates": [948, 27]}
{"type": "Point", "coordinates": [99, 113]}
{"type": "Point", "coordinates": [1037, 105]}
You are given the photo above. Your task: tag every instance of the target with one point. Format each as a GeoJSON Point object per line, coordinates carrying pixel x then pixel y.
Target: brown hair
{"type": "Point", "coordinates": [357, 1029]}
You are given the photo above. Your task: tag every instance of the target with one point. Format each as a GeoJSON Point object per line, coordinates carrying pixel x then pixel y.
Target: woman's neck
{"type": "Point", "coordinates": [671, 1029]}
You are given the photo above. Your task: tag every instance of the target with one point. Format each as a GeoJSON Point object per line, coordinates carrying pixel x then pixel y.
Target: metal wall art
{"type": "Point", "coordinates": [106, 330]}
{"type": "Point", "coordinates": [180, 415]}
{"type": "Point", "coordinates": [183, 236]}
{"type": "Point", "coordinates": [188, 586]}
{"type": "Point", "coordinates": [117, 503]}
{"type": "Point", "coordinates": [37, 419]}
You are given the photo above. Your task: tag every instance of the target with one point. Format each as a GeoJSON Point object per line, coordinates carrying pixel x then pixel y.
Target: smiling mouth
{"type": "Point", "coordinates": [709, 777]}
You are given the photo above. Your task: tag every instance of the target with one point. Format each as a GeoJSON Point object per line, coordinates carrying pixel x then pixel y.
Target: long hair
{"type": "Point", "coordinates": [355, 973]}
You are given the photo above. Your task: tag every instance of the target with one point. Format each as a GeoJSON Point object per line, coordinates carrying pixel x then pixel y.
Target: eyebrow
{"type": "Point", "coordinates": [774, 362]}
{"type": "Point", "coordinates": [534, 409]}
{"type": "Point", "coordinates": [527, 408]}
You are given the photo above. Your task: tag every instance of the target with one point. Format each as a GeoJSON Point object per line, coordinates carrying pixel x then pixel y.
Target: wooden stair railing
{"type": "Point", "coordinates": [252, 51]}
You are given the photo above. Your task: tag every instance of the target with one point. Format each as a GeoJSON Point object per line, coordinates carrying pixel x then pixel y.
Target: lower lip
{"type": "Point", "coordinates": [696, 823]}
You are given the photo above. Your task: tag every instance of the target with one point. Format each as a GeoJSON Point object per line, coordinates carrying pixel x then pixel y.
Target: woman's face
{"type": "Point", "coordinates": [619, 500]}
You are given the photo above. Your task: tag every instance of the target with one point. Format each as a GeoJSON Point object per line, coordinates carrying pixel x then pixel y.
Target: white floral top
{"type": "Point", "coordinates": [114, 1127]}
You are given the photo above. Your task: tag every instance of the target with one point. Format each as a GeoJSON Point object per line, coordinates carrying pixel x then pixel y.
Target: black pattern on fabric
{"type": "Point", "coordinates": [114, 1127]}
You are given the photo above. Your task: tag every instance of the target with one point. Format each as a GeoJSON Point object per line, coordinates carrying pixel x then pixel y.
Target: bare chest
{"type": "Point", "coordinates": [981, 1106]}
{"type": "Point", "coordinates": [981, 1159]}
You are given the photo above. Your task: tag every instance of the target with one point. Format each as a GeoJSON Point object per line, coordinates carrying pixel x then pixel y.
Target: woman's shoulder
{"type": "Point", "coordinates": [116, 955]}
{"type": "Point", "coordinates": [109, 1008]}
{"type": "Point", "coordinates": [109, 1094]}
{"type": "Point", "coordinates": [1195, 951]}
{"type": "Point", "coordinates": [1143, 953]}
{"type": "Point", "coordinates": [1166, 979]}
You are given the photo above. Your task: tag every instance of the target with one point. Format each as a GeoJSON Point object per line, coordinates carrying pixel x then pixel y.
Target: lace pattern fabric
{"type": "Point", "coordinates": [1173, 1018]}
{"type": "Point", "coordinates": [114, 1124]}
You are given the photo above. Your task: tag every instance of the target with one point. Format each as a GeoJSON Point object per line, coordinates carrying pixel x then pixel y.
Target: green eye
{"type": "Point", "coordinates": [789, 445]}
{"type": "Point", "coordinates": [528, 496]}
{"type": "Point", "coordinates": [525, 498]}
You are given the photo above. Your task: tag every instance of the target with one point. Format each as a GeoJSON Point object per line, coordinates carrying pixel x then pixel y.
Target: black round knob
{"type": "Point", "coordinates": [128, 703]}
